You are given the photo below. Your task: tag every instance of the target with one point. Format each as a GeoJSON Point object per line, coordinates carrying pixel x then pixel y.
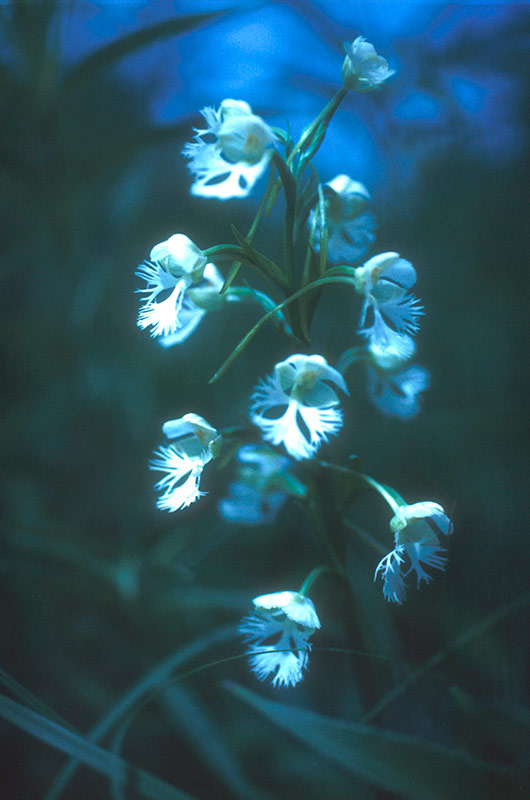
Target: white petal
{"type": "Point", "coordinates": [189, 318]}
{"type": "Point", "coordinates": [215, 177]}
{"type": "Point", "coordinates": [296, 607]}
{"type": "Point", "coordinates": [163, 317]}
{"type": "Point", "coordinates": [180, 485]}
{"type": "Point", "coordinates": [394, 588]}
{"type": "Point", "coordinates": [430, 555]}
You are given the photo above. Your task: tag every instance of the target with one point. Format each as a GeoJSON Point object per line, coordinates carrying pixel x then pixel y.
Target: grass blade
{"type": "Point", "coordinates": [88, 753]}
{"type": "Point", "coordinates": [409, 766]}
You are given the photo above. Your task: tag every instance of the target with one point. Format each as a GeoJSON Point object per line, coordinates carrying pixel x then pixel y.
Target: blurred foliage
{"type": "Point", "coordinates": [105, 599]}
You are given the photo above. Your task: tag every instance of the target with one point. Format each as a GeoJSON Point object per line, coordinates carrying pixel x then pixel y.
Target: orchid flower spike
{"type": "Point", "coordinates": [296, 406]}
{"type": "Point", "coordinates": [416, 529]}
{"type": "Point", "coordinates": [195, 444]}
{"type": "Point", "coordinates": [230, 165]}
{"type": "Point", "coordinates": [278, 635]}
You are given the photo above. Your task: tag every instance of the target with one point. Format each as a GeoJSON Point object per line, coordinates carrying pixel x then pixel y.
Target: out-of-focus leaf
{"type": "Point", "coordinates": [88, 753]}
{"type": "Point", "coordinates": [154, 679]}
{"type": "Point", "coordinates": [508, 727]}
{"type": "Point", "coordinates": [108, 55]}
{"type": "Point", "coordinates": [468, 635]}
{"type": "Point", "coordinates": [412, 767]}
{"type": "Point", "coordinates": [192, 718]}
{"type": "Point", "coordinates": [29, 699]}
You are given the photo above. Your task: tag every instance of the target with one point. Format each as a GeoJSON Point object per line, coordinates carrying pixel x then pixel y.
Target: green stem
{"type": "Point", "coordinates": [382, 490]}
{"type": "Point", "coordinates": [306, 138]}
{"type": "Point", "coordinates": [311, 578]}
{"type": "Point", "coordinates": [234, 269]}
{"type": "Point", "coordinates": [243, 292]}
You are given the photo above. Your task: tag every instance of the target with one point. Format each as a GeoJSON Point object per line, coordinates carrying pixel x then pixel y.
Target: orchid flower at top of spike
{"type": "Point", "coordinates": [350, 226]}
{"type": "Point", "coordinates": [384, 280]}
{"type": "Point", "coordinates": [194, 444]}
{"type": "Point", "coordinates": [230, 165]}
{"type": "Point", "coordinates": [363, 69]}
{"type": "Point", "coordinates": [416, 529]}
{"type": "Point", "coordinates": [278, 635]}
{"type": "Point", "coordinates": [174, 266]}
{"type": "Point", "coordinates": [296, 406]}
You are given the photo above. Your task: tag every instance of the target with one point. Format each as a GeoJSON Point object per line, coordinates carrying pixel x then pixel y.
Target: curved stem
{"type": "Point", "coordinates": [311, 578]}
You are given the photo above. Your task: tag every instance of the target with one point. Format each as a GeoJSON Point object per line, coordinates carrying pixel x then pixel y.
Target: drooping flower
{"type": "Point", "coordinates": [230, 165]}
{"type": "Point", "coordinates": [263, 486]}
{"type": "Point", "coordinates": [363, 69]}
{"type": "Point", "coordinates": [197, 301]}
{"type": "Point", "coordinates": [384, 280]}
{"type": "Point", "coordinates": [174, 266]}
{"type": "Point", "coordinates": [278, 635]}
{"type": "Point", "coordinates": [296, 406]}
{"type": "Point", "coordinates": [350, 226]}
{"type": "Point", "coordinates": [416, 529]}
{"type": "Point", "coordinates": [195, 444]}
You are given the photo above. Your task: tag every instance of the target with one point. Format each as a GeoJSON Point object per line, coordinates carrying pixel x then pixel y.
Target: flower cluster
{"type": "Point", "coordinates": [297, 407]}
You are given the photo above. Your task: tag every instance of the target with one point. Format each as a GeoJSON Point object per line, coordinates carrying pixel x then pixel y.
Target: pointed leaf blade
{"type": "Point", "coordinates": [412, 767]}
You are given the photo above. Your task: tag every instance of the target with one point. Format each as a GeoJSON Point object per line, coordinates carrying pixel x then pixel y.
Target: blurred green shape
{"type": "Point", "coordinates": [412, 767]}
{"type": "Point", "coordinates": [155, 682]}
{"type": "Point", "coordinates": [77, 746]}
{"type": "Point", "coordinates": [109, 54]}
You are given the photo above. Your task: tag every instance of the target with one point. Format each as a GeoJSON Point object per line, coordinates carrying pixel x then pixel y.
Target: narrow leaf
{"type": "Point", "coordinates": [108, 55]}
{"type": "Point", "coordinates": [30, 699]}
{"type": "Point", "coordinates": [409, 766]}
{"type": "Point", "coordinates": [286, 177]}
{"type": "Point", "coordinates": [73, 744]}
{"type": "Point", "coordinates": [267, 266]}
{"type": "Point", "coordinates": [149, 683]}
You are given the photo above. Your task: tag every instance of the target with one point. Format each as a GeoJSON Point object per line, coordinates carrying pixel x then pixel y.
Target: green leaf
{"type": "Point", "coordinates": [88, 753]}
{"type": "Point", "coordinates": [151, 683]}
{"type": "Point", "coordinates": [192, 718]}
{"type": "Point", "coordinates": [413, 768]}
{"type": "Point", "coordinates": [108, 55]}
{"type": "Point", "coordinates": [30, 699]}
{"type": "Point", "coordinates": [286, 177]}
{"type": "Point", "coordinates": [268, 267]}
